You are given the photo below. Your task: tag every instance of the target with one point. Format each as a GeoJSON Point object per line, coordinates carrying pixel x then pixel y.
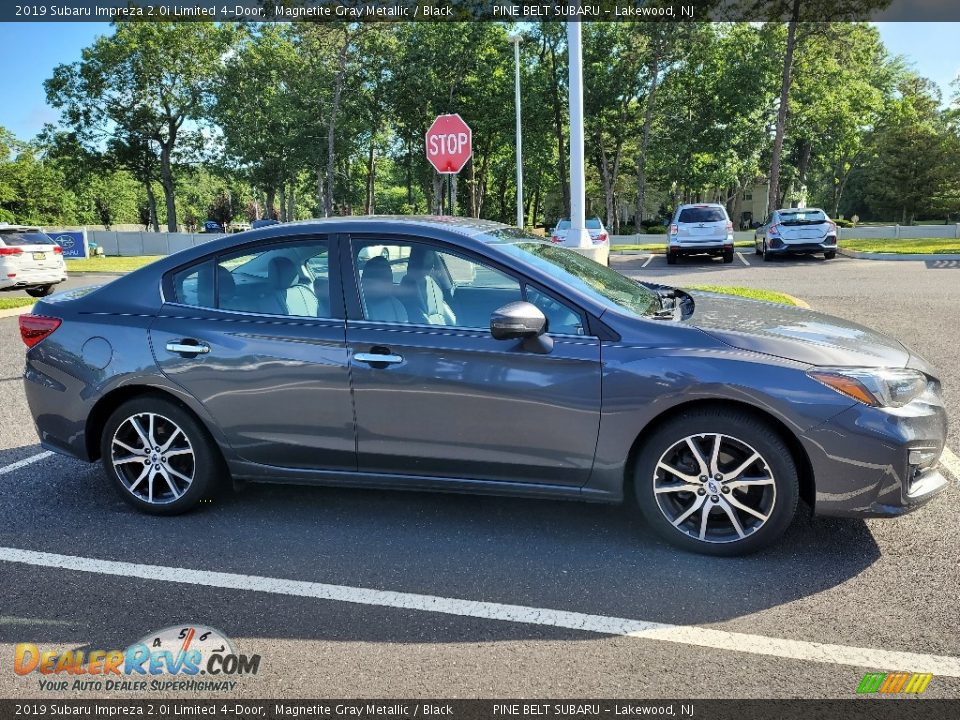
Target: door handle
{"type": "Point", "coordinates": [194, 348]}
{"type": "Point", "coordinates": [374, 358]}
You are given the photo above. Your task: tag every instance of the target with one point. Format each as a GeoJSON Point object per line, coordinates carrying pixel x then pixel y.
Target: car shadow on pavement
{"type": "Point", "coordinates": [598, 559]}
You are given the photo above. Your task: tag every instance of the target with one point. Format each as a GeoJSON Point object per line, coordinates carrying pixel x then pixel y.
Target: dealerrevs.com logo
{"type": "Point", "coordinates": [177, 658]}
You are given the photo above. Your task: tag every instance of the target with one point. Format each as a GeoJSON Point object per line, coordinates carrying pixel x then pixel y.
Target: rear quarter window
{"type": "Point", "coordinates": [702, 215]}
{"type": "Point", "coordinates": [13, 239]}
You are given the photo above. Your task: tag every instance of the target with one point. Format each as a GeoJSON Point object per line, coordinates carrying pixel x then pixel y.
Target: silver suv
{"type": "Point", "coordinates": [700, 229]}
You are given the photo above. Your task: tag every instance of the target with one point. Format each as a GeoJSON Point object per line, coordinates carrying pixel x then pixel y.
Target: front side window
{"type": "Point", "coordinates": [416, 283]}
{"type": "Point", "coordinates": [291, 279]}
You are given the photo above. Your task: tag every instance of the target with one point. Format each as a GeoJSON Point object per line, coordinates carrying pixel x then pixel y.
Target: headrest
{"type": "Point", "coordinates": [282, 272]}
{"type": "Point", "coordinates": [377, 269]}
{"type": "Point", "coordinates": [226, 285]}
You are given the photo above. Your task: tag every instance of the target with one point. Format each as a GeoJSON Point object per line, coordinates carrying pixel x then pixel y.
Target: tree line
{"type": "Point", "coordinates": [169, 124]}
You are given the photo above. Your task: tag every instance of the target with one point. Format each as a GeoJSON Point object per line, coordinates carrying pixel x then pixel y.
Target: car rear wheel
{"type": "Point", "coordinates": [717, 481]}
{"type": "Point", "coordinates": [728, 256]}
{"type": "Point", "coordinates": [41, 291]}
{"type": "Point", "coordinates": [766, 255]}
{"type": "Point", "coordinates": [830, 255]}
{"type": "Point", "coordinates": [160, 458]}
{"type": "Point", "coordinates": [671, 258]}
{"type": "Point", "coordinates": [756, 248]}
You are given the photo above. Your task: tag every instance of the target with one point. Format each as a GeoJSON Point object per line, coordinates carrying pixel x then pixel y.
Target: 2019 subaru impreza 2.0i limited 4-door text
{"type": "Point", "coordinates": [797, 231]}
{"type": "Point", "coordinates": [474, 357]}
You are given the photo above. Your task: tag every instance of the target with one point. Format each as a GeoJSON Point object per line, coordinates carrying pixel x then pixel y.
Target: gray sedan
{"type": "Point", "coordinates": [468, 356]}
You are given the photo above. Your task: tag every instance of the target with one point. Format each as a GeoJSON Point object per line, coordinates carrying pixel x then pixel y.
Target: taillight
{"type": "Point", "coordinates": [729, 226]}
{"type": "Point", "coordinates": [555, 238]}
{"type": "Point", "coordinates": [774, 230]}
{"type": "Point", "coordinates": [674, 229]}
{"type": "Point", "coordinates": [57, 250]}
{"type": "Point", "coordinates": [833, 227]}
{"type": "Point", "coordinates": [11, 251]}
{"type": "Point", "coordinates": [34, 328]}
{"type": "Point", "coordinates": [601, 238]}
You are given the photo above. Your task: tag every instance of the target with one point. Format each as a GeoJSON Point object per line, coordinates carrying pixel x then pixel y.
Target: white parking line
{"type": "Point", "coordinates": [682, 634]}
{"type": "Point", "coordinates": [649, 258]}
{"type": "Point", "coordinates": [951, 463]}
{"type": "Point", "coordinates": [743, 259]}
{"type": "Point", "coordinates": [26, 461]}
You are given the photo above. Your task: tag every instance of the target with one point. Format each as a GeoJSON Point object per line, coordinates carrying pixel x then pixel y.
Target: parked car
{"type": "Point", "coordinates": [798, 231]}
{"type": "Point", "coordinates": [485, 360]}
{"type": "Point", "coordinates": [263, 222]}
{"type": "Point", "coordinates": [29, 260]}
{"type": "Point", "coordinates": [700, 229]}
{"type": "Point", "coordinates": [212, 226]}
{"type": "Point", "coordinates": [598, 236]}
{"type": "Point", "coordinates": [239, 227]}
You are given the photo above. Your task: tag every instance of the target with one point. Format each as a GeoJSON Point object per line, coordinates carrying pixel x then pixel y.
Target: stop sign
{"type": "Point", "coordinates": [449, 144]}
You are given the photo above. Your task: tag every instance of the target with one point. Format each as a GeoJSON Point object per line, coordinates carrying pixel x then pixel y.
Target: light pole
{"type": "Point", "coordinates": [515, 39]}
{"type": "Point", "coordinates": [578, 230]}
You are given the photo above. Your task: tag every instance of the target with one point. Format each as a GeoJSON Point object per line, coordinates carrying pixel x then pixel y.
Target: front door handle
{"type": "Point", "coordinates": [375, 359]}
{"type": "Point", "coordinates": [188, 348]}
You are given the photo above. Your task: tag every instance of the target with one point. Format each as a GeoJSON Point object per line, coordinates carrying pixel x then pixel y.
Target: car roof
{"type": "Point", "coordinates": [703, 204]}
{"type": "Point", "coordinates": [807, 209]}
{"type": "Point", "coordinates": [20, 228]}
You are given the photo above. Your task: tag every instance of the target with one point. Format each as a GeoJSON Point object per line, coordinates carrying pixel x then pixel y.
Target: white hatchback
{"type": "Point", "coordinates": [29, 260]}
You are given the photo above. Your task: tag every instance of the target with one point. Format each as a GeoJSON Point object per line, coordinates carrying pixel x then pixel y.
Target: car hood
{"type": "Point", "coordinates": [793, 333]}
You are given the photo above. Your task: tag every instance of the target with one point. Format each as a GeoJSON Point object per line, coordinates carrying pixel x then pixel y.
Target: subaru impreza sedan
{"type": "Point", "coordinates": [473, 357]}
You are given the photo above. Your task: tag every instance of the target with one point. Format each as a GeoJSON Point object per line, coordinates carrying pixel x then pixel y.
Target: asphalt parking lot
{"type": "Point", "coordinates": [833, 600]}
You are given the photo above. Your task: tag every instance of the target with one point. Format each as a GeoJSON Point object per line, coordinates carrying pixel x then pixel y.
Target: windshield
{"type": "Point", "coordinates": [803, 217]}
{"type": "Point", "coordinates": [702, 215]}
{"type": "Point", "coordinates": [594, 224]}
{"type": "Point", "coordinates": [563, 225]}
{"type": "Point", "coordinates": [599, 282]}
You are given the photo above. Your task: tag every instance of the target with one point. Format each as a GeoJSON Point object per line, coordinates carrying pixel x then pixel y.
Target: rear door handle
{"type": "Point", "coordinates": [374, 358]}
{"type": "Point", "coordinates": [193, 348]}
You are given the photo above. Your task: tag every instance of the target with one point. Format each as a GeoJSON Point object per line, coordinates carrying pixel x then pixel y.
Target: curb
{"type": "Point", "coordinates": [13, 312]}
{"type": "Point", "coordinates": [896, 256]}
{"type": "Point", "coordinates": [796, 301]}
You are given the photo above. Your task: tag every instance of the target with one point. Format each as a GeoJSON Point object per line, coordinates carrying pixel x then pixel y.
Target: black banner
{"type": "Point", "coordinates": [483, 10]}
{"type": "Point", "coordinates": [853, 709]}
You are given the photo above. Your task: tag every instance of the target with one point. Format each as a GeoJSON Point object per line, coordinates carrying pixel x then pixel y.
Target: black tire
{"type": "Point", "coordinates": [203, 464]}
{"type": "Point", "coordinates": [756, 248]}
{"type": "Point", "coordinates": [744, 432]}
{"type": "Point", "coordinates": [671, 258]}
{"type": "Point", "coordinates": [728, 257]}
{"type": "Point", "coordinates": [767, 257]}
{"type": "Point", "coordinates": [829, 254]}
{"type": "Point", "coordinates": [41, 291]}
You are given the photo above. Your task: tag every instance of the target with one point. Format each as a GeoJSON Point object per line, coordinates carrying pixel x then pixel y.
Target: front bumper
{"type": "Point", "coordinates": [869, 462]}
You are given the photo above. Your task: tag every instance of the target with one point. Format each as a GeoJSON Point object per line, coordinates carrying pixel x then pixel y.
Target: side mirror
{"type": "Point", "coordinates": [521, 321]}
{"type": "Point", "coordinates": [517, 320]}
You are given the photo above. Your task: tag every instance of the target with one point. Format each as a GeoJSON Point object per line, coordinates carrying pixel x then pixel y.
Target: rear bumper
{"type": "Point", "coordinates": [32, 280]}
{"type": "Point", "coordinates": [680, 247]}
{"type": "Point", "coordinates": [803, 248]}
{"type": "Point", "coordinates": [868, 462]}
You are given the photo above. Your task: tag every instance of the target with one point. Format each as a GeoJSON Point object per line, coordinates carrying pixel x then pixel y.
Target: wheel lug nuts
{"type": "Point", "coordinates": [701, 491]}
{"type": "Point", "coordinates": [725, 489]}
{"type": "Point", "coordinates": [714, 498]}
{"type": "Point", "coordinates": [718, 476]}
{"type": "Point", "coordinates": [703, 478]}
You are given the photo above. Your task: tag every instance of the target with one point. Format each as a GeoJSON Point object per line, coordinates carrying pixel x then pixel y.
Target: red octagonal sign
{"type": "Point", "coordinates": [449, 144]}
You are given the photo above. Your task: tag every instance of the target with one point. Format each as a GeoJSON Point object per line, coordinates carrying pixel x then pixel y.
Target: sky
{"type": "Point", "coordinates": [30, 51]}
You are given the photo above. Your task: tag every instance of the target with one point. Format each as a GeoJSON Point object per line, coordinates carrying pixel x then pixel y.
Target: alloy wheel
{"type": "Point", "coordinates": [714, 488]}
{"type": "Point", "coordinates": [153, 458]}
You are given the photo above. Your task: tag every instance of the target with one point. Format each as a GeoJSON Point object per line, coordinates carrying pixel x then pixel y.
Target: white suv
{"type": "Point", "coordinates": [700, 229]}
{"type": "Point", "coordinates": [29, 260]}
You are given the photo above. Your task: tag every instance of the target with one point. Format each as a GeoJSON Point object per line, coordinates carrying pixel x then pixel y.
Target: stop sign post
{"type": "Point", "coordinates": [449, 143]}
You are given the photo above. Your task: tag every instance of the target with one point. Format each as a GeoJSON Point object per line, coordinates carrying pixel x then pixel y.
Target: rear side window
{"type": "Point", "coordinates": [702, 215]}
{"type": "Point", "coordinates": [13, 239]}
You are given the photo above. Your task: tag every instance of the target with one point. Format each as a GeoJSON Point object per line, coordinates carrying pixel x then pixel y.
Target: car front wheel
{"type": "Point", "coordinates": [41, 291]}
{"type": "Point", "coordinates": [160, 458]}
{"type": "Point", "coordinates": [717, 481]}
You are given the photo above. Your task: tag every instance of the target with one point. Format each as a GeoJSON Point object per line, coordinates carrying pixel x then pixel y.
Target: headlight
{"type": "Point", "coordinates": [877, 387]}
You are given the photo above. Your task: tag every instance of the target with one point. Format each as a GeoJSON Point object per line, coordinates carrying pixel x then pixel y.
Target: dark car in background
{"type": "Point", "coordinates": [796, 231]}
{"type": "Point", "coordinates": [468, 356]}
